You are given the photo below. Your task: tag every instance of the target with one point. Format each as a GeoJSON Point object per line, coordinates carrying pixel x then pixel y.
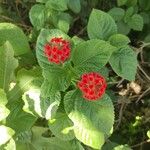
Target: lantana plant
{"type": "Point", "coordinates": [75, 77]}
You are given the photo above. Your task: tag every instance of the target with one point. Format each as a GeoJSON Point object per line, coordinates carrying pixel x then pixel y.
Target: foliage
{"type": "Point", "coordinates": [41, 105]}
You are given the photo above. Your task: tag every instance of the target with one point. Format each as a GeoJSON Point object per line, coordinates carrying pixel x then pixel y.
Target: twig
{"type": "Point", "coordinates": [120, 82]}
{"type": "Point", "coordinates": [142, 94]}
{"type": "Point", "coordinates": [140, 144]}
{"type": "Point", "coordinates": [143, 72]}
{"type": "Point", "coordinates": [81, 31]}
{"type": "Point", "coordinates": [120, 115]}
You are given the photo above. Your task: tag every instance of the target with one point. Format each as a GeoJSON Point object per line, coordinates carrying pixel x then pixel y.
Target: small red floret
{"type": "Point", "coordinates": [57, 50]}
{"type": "Point", "coordinates": [92, 85]}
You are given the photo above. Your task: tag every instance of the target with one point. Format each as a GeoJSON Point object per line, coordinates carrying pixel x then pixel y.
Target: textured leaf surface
{"type": "Point", "coordinates": [119, 40]}
{"type": "Point", "coordinates": [58, 76]}
{"type": "Point", "coordinates": [8, 64]}
{"type": "Point", "coordinates": [74, 5]}
{"type": "Point", "coordinates": [121, 2]}
{"type": "Point", "coordinates": [36, 15]}
{"type": "Point", "coordinates": [91, 55]}
{"type": "Point", "coordinates": [124, 63]}
{"type": "Point", "coordinates": [57, 4]}
{"type": "Point", "coordinates": [101, 25]}
{"type": "Point", "coordinates": [92, 120]}
{"type": "Point", "coordinates": [16, 37]}
{"type": "Point", "coordinates": [19, 120]}
{"type": "Point", "coordinates": [136, 22]}
{"type": "Point", "coordinates": [62, 127]}
{"type": "Point", "coordinates": [117, 13]}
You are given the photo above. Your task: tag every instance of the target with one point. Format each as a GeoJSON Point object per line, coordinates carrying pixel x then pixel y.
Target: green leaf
{"type": "Point", "coordinates": [41, 1]}
{"type": "Point", "coordinates": [50, 100]}
{"type": "Point", "coordinates": [37, 16]}
{"type": "Point", "coordinates": [64, 21]}
{"type": "Point", "coordinates": [4, 112]}
{"type": "Point", "coordinates": [19, 120]}
{"type": "Point", "coordinates": [45, 106]}
{"type": "Point", "coordinates": [122, 147]}
{"type": "Point", "coordinates": [39, 142]}
{"type": "Point", "coordinates": [58, 76]}
{"type": "Point", "coordinates": [92, 120]}
{"type": "Point", "coordinates": [8, 64]}
{"type": "Point", "coordinates": [76, 40]}
{"type": "Point", "coordinates": [26, 78]}
{"type": "Point", "coordinates": [119, 40]}
{"type": "Point", "coordinates": [11, 145]}
{"type": "Point", "coordinates": [16, 37]}
{"type": "Point", "coordinates": [131, 3]}
{"type": "Point", "coordinates": [57, 4]}
{"type": "Point", "coordinates": [123, 28]}
{"type": "Point", "coordinates": [58, 79]}
{"type": "Point", "coordinates": [6, 134]}
{"type": "Point", "coordinates": [124, 63]}
{"type": "Point", "coordinates": [114, 146]}
{"type": "Point", "coordinates": [121, 2]}
{"type": "Point", "coordinates": [117, 13]}
{"type": "Point", "coordinates": [128, 14]}
{"type": "Point", "coordinates": [136, 22]}
{"type": "Point", "coordinates": [75, 5]}
{"type": "Point", "coordinates": [91, 55]}
{"type": "Point", "coordinates": [100, 25]}
{"type": "Point", "coordinates": [148, 134]}
{"type": "Point", "coordinates": [62, 127]}
{"type": "Point", "coordinates": [45, 36]}
{"type": "Point", "coordinates": [144, 4]}
{"type": "Point", "coordinates": [3, 98]}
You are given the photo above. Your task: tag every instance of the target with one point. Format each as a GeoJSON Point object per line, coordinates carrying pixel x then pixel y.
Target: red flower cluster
{"type": "Point", "coordinates": [92, 85]}
{"type": "Point", "coordinates": [58, 50]}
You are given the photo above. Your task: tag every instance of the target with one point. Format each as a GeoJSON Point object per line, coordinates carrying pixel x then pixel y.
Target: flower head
{"type": "Point", "coordinates": [92, 85]}
{"type": "Point", "coordinates": [57, 50]}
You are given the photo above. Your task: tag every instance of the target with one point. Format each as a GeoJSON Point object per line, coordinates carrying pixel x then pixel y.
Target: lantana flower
{"type": "Point", "coordinates": [57, 50]}
{"type": "Point", "coordinates": [92, 85]}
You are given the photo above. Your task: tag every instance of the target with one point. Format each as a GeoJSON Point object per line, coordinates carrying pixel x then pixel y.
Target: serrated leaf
{"type": "Point", "coordinates": [124, 63]}
{"type": "Point", "coordinates": [45, 36]}
{"type": "Point", "coordinates": [37, 105]}
{"type": "Point", "coordinates": [39, 142]}
{"type": "Point", "coordinates": [62, 127]}
{"type": "Point", "coordinates": [123, 28]}
{"type": "Point", "coordinates": [57, 4]}
{"type": "Point", "coordinates": [6, 134]}
{"type": "Point", "coordinates": [128, 14]}
{"type": "Point", "coordinates": [8, 64]}
{"type": "Point", "coordinates": [119, 40]}
{"type": "Point", "coordinates": [121, 2]}
{"type": "Point", "coordinates": [16, 37]}
{"type": "Point", "coordinates": [64, 21]}
{"type": "Point", "coordinates": [100, 25]}
{"type": "Point", "coordinates": [19, 120]}
{"type": "Point", "coordinates": [92, 120]}
{"type": "Point", "coordinates": [74, 5]}
{"type": "Point", "coordinates": [56, 74]}
{"type": "Point", "coordinates": [41, 1]}
{"type": "Point", "coordinates": [37, 16]}
{"type": "Point", "coordinates": [91, 55]}
{"type": "Point", "coordinates": [117, 13]}
{"type": "Point", "coordinates": [26, 79]}
{"type": "Point", "coordinates": [136, 22]}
